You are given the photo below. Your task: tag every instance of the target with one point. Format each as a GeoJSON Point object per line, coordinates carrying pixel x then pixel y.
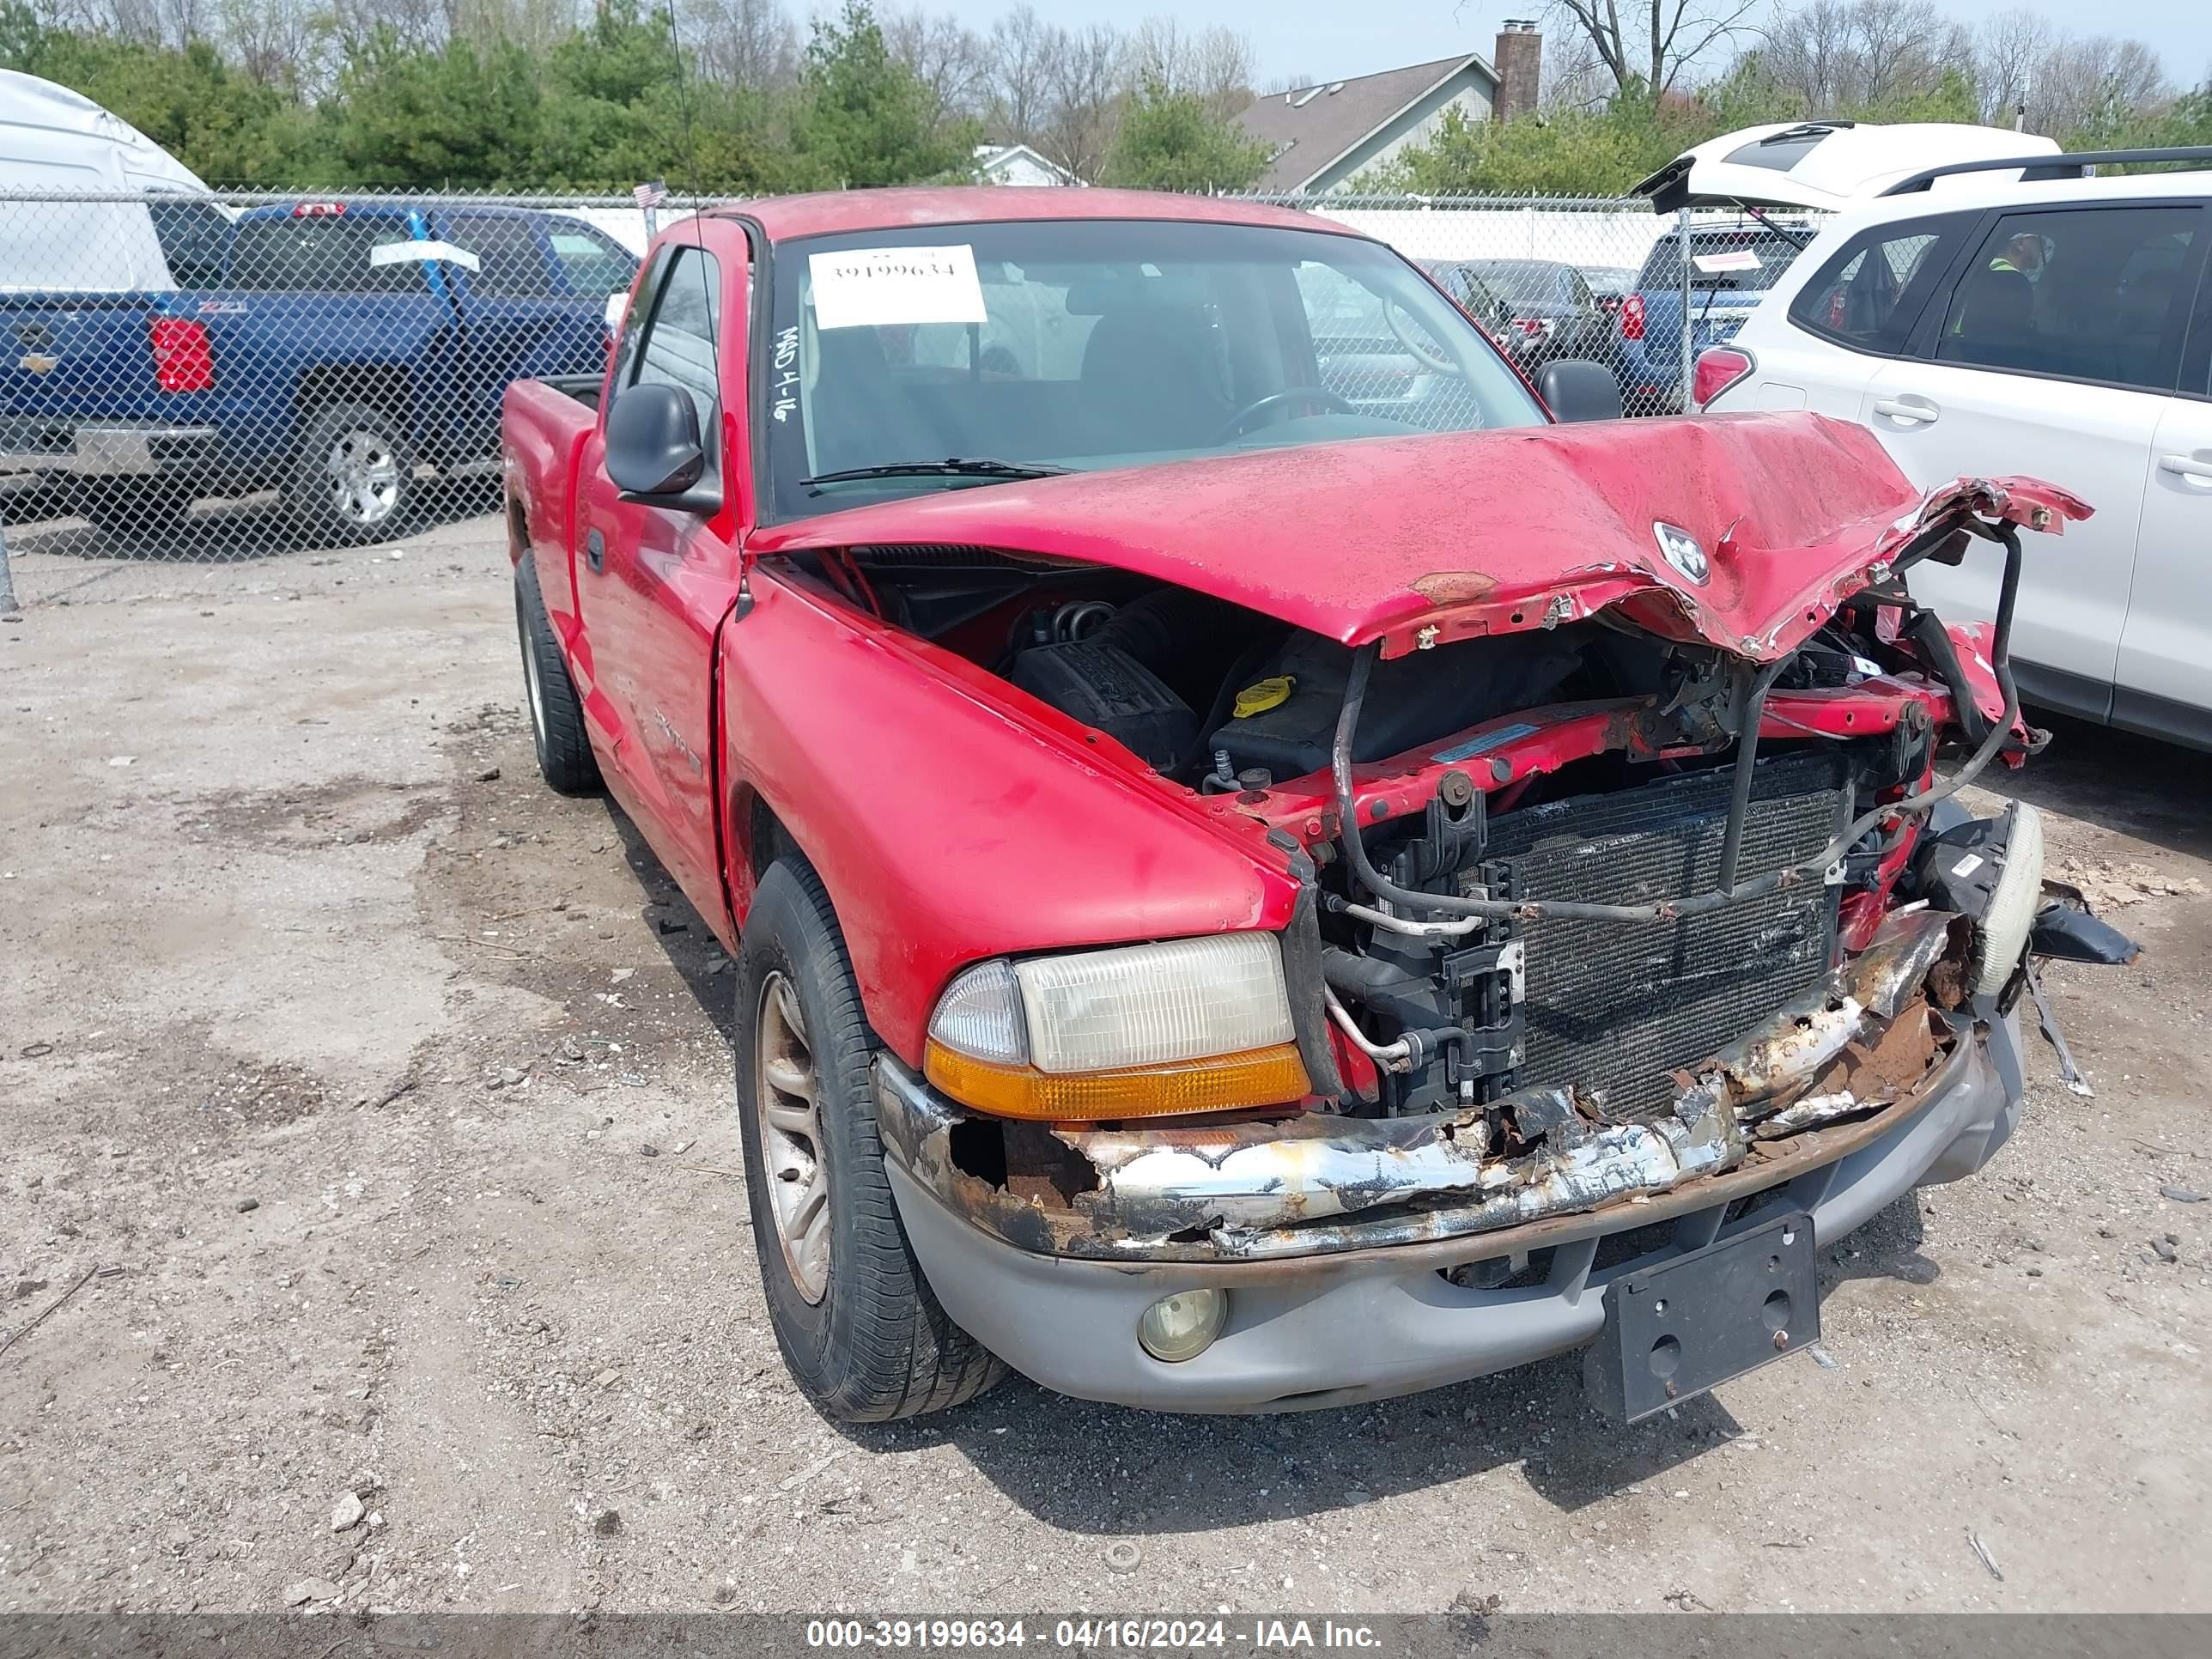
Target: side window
{"type": "Point", "coordinates": [592, 263]}
{"type": "Point", "coordinates": [1869, 293]}
{"type": "Point", "coordinates": [1379, 358]}
{"type": "Point", "coordinates": [633, 328]}
{"type": "Point", "coordinates": [2093, 293]}
{"type": "Point", "coordinates": [1354, 350]}
{"type": "Point", "coordinates": [514, 265]}
{"type": "Point", "coordinates": [678, 348]}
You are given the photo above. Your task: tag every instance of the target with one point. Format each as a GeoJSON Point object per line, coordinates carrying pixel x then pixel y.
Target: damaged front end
{"type": "Point", "coordinates": [1318, 1181]}
{"type": "Point", "coordinates": [1656, 950]}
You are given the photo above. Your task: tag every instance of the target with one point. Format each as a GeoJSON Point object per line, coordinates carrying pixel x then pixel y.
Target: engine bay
{"type": "Point", "coordinates": [1422, 1016]}
{"type": "Point", "coordinates": [1209, 693]}
{"type": "Point", "coordinates": [1220, 698]}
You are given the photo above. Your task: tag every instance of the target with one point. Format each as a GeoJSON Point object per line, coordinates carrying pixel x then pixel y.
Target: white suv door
{"type": "Point", "coordinates": [2054, 354]}
{"type": "Point", "coordinates": [2165, 647]}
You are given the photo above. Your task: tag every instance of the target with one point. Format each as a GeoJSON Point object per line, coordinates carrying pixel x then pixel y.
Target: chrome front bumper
{"type": "Point", "coordinates": [1346, 1325]}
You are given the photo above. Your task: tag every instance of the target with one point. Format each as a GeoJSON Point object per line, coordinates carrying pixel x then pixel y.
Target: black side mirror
{"type": "Point", "coordinates": [653, 447]}
{"type": "Point", "coordinates": [1576, 389]}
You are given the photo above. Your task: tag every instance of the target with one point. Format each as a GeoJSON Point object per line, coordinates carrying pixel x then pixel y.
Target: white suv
{"type": "Point", "coordinates": [2060, 328]}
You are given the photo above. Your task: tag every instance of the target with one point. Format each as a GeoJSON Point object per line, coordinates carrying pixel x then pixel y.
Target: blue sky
{"type": "Point", "coordinates": [1328, 38]}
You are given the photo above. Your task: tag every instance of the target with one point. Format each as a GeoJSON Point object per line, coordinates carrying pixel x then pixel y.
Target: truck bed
{"type": "Point", "coordinates": [584, 388]}
{"type": "Point", "coordinates": [543, 428]}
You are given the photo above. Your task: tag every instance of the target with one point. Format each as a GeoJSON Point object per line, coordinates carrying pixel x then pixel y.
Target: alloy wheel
{"type": "Point", "coordinates": [787, 1103]}
{"type": "Point", "coordinates": [364, 473]}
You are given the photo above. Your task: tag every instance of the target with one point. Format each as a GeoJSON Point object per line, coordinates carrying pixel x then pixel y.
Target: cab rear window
{"type": "Point", "coordinates": [325, 254]}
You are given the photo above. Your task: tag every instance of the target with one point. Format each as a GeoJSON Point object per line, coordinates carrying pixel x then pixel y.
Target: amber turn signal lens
{"type": "Point", "coordinates": [1259, 1077]}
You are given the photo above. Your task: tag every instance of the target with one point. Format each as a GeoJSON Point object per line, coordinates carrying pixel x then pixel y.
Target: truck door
{"type": "Point", "coordinates": [653, 585]}
{"type": "Point", "coordinates": [534, 304]}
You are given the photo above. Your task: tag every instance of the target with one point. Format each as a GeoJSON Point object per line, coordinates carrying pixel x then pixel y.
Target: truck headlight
{"type": "Point", "coordinates": [1188, 1025]}
{"type": "Point", "coordinates": [2012, 901]}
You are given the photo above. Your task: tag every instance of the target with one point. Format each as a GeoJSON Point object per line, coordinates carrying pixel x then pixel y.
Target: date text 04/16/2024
{"type": "Point", "coordinates": [1132, 1633]}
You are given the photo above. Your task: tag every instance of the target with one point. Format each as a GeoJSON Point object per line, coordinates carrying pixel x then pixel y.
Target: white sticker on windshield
{"type": "Point", "coordinates": [873, 285]}
{"type": "Point", "coordinates": [1735, 258]}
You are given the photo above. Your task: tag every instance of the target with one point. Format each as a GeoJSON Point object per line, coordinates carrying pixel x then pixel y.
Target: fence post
{"type": "Point", "coordinates": [8, 608]}
{"type": "Point", "coordinates": [1689, 356]}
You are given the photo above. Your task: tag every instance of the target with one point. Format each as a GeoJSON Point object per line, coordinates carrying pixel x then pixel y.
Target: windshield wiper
{"type": "Point", "coordinates": [954, 466]}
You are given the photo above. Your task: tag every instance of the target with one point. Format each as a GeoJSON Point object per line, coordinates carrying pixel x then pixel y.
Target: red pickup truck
{"type": "Point", "coordinates": [1257, 882]}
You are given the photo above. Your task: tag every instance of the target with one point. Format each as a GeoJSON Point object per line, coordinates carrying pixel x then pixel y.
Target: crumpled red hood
{"type": "Point", "coordinates": [1420, 540]}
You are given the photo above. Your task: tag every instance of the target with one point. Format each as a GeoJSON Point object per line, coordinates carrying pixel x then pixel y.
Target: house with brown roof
{"type": "Point", "coordinates": [1321, 137]}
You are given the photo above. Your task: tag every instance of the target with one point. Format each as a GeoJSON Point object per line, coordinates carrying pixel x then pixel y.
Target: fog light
{"type": "Point", "coordinates": [1183, 1326]}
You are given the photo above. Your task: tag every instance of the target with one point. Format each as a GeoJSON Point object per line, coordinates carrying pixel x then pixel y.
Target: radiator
{"type": "Point", "coordinates": [1614, 1007]}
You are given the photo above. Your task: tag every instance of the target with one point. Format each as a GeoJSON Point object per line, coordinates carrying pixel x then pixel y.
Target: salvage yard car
{"type": "Point", "coordinates": [1242, 903]}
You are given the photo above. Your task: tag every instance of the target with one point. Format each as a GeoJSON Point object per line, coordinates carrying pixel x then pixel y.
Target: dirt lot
{"type": "Point", "coordinates": [375, 1104]}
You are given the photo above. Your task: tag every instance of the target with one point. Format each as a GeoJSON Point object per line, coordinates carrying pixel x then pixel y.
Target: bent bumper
{"type": "Point", "coordinates": [1351, 1325]}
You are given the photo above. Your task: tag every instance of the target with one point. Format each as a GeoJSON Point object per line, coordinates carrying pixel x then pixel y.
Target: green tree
{"type": "Point", "coordinates": [1569, 153]}
{"type": "Point", "coordinates": [864, 117]}
{"type": "Point", "coordinates": [606, 88]}
{"type": "Point", "coordinates": [460, 116]}
{"type": "Point", "coordinates": [1171, 140]}
{"type": "Point", "coordinates": [1604, 152]}
{"type": "Point", "coordinates": [213, 116]}
{"type": "Point", "coordinates": [1952, 97]}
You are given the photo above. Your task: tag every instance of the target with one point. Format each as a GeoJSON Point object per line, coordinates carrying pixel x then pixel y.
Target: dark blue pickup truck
{"type": "Point", "coordinates": [328, 350]}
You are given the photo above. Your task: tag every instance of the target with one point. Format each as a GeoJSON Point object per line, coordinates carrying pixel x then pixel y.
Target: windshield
{"type": "Point", "coordinates": [1090, 343]}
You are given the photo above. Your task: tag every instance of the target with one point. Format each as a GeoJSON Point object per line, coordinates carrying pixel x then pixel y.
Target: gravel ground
{"type": "Point", "coordinates": [369, 1121]}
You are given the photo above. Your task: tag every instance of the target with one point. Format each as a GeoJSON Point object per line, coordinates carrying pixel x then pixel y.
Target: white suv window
{"type": "Point", "coordinates": [2089, 293]}
{"type": "Point", "coordinates": [1868, 295]}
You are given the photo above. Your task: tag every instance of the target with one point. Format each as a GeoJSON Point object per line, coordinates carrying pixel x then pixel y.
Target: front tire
{"type": "Point", "coordinates": [859, 1326]}
{"type": "Point", "coordinates": [354, 480]}
{"type": "Point", "coordinates": [565, 760]}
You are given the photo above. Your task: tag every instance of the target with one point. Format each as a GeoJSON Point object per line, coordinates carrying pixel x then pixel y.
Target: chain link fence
{"type": "Point", "coordinates": [195, 377]}
{"type": "Point", "coordinates": [1546, 277]}
{"type": "Point", "coordinates": [217, 377]}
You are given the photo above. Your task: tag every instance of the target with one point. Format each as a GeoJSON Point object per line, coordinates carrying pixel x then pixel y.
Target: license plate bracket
{"type": "Point", "coordinates": [1681, 1327]}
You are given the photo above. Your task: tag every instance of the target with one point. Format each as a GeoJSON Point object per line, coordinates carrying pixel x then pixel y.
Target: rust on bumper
{"type": "Point", "coordinates": [1316, 1182]}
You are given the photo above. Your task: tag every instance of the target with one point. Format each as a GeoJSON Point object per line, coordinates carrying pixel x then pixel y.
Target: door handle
{"type": "Point", "coordinates": [595, 551]}
{"type": "Point", "coordinates": [1909, 407]}
{"type": "Point", "coordinates": [2188, 466]}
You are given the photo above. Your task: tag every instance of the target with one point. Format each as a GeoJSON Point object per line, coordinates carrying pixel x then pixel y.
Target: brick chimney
{"type": "Point", "coordinates": [1519, 62]}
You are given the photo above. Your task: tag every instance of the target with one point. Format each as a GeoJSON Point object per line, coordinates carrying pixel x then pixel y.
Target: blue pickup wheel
{"type": "Point", "coordinates": [353, 479]}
